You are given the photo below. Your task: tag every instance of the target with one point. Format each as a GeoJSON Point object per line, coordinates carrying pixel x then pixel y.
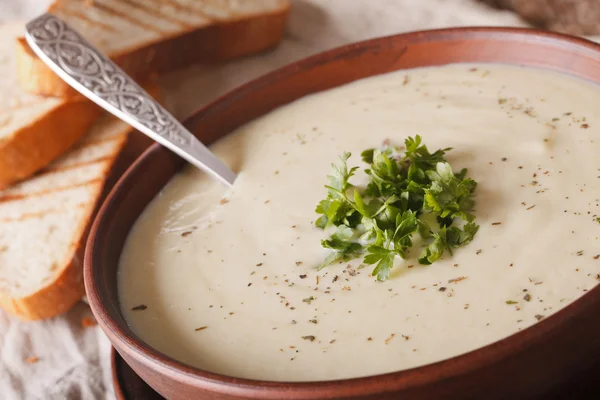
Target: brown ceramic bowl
{"type": "Point", "coordinates": [523, 365]}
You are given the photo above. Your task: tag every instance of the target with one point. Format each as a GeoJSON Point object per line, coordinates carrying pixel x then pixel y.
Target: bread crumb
{"type": "Point", "coordinates": [32, 360]}
{"type": "Point", "coordinates": [87, 322]}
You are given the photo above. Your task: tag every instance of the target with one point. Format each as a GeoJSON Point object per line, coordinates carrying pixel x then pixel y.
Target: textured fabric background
{"type": "Point", "coordinates": [74, 361]}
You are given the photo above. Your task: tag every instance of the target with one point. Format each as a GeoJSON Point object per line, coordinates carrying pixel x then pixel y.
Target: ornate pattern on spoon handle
{"type": "Point", "coordinates": [76, 57]}
{"type": "Point", "coordinates": [97, 77]}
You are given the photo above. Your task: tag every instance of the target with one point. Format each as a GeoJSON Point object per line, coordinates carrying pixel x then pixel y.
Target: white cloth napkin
{"type": "Point", "coordinates": [73, 361]}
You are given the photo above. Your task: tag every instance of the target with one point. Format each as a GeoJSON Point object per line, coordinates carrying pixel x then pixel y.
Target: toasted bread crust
{"type": "Point", "coordinates": [36, 145]}
{"type": "Point", "coordinates": [221, 41]}
{"type": "Point", "coordinates": [34, 76]}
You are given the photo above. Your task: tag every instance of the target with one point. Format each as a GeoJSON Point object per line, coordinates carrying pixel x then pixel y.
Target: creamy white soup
{"type": "Point", "coordinates": [227, 281]}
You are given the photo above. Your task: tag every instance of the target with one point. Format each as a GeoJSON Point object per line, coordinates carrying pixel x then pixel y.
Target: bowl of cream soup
{"type": "Point", "coordinates": [215, 293]}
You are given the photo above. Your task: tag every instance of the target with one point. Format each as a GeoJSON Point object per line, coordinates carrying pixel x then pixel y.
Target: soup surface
{"type": "Point", "coordinates": [227, 280]}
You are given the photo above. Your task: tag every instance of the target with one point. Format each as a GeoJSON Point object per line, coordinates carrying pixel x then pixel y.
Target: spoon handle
{"type": "Point", "coordinates": [95, 76]}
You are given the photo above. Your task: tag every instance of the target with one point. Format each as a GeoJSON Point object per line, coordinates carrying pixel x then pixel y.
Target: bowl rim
{"type": "Point", "coordinates": [367, 385]}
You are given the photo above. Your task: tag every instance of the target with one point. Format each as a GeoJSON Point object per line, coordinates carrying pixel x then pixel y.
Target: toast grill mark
{"type": "Point", "coordinates": [84, 17]}
{"type": "Point", "coordinates": [183, 8]}
{"type": "Point", "coordinates": [157, 14]}
{"type": "Point", "coordinates": [101, 146]}
{"type": "Point", "coordinates": [103, 160]}
{"type": "Point", "coordinates": [77, 165]}
{"type": "Point", "coordinates": [91, 142]}
{"type": "Point", "coordinates": [41, 214]}
{"type": "Point", "coordinates": [22, 196]}
{"type": "Point", "coordinates": [109, 10]}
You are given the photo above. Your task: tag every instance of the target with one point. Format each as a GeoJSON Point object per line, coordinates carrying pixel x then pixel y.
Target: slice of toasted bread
{"type": "Point", "coordinates": [34, 130]}
{"type": "Point", "coordinates": [154, 36]}
{"type": "Point", "coordinates": [44, 223]}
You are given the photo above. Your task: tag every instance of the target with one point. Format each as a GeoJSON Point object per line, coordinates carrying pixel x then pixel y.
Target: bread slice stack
{"type": "Point", "coordinates": [34, 130]}
{"type": "Point", "coordinates": [59, 153]}
{"type": "Point", "coordinates": [44, 222]}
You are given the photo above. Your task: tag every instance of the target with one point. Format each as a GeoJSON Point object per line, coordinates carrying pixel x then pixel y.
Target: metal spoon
{"type": "Point", "coordinates": [95, 76]}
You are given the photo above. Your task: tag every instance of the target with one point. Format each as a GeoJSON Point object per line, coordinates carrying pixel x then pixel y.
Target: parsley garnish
{"type": "Point", "coordinates": [410, 192]}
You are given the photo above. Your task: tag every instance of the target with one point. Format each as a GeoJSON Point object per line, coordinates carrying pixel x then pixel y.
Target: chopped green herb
{"type": "Point", "coordinates": [511, 302]}
{"type": "Point", "coordinates": [410, 192]}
